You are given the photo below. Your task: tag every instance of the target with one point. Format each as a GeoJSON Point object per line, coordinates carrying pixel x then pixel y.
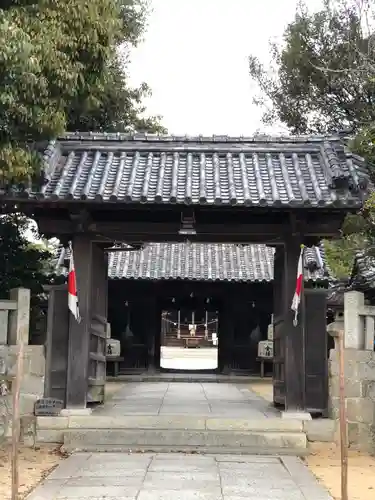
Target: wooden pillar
{"type": "Point", "coordinates": [316, 350]}
{"type": "Point", "coordinates": [293, 335]}
{"type": "Point", "coordinates": [152, 328]}
{"type": "Point", "coordinates": [79, 333]}
{"type": "Point", "coordinates": [157, 338]}
{"type": "Point", "coordinates": [226, 337]}
{"type": "Point", "coordinates": [278, 335]}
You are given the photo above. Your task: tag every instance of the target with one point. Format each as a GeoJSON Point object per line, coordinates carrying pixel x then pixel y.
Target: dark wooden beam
{"type": "Point", "coordinates": [154, 231]}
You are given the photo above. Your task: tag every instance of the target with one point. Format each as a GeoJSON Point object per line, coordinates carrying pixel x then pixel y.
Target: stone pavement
{"type": "Point", "coordinates": [177, 358]}
{"type": "Point", "coordinates": [187, 398]}
{"type": "Point", "coordinates": [120, 476]}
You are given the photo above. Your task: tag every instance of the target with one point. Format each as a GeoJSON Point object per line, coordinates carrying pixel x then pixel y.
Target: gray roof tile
{"type": "Point", "coordinates": [253, 171]}
{"type": "Point", "coordinates": [204, 262]}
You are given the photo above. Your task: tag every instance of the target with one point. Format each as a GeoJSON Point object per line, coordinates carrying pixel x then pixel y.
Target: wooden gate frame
{"type": "Point", "coordinates": [71, 345]}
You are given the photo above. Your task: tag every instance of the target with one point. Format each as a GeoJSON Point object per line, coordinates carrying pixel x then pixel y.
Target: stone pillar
{"type": "Point", "coordinates": [19, 321]}
{"type": "Point", "coordinates": [354, 331]}
{"type": "Point", "coordinates": [4, 320]}
{"type": "Point", "coordinates": [359, 322]}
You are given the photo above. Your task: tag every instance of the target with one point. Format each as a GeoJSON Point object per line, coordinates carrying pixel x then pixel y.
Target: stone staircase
{"type": "Point", "coordinates": [172, 433]}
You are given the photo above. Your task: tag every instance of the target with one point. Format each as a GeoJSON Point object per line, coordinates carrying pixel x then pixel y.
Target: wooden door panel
{"type": "Point", "coordinates": [98, 328]}
{"type": "Point", "coordinates": [316, 351]}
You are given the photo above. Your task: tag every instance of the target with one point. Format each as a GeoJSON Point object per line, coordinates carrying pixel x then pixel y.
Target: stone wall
{"type": "Point", "coordinates": [32, 384]}
{"type": "Point", "coordinates": [14, 328]}
{"type": "Point", "coordinates": [359, 395]}
{"type": "Point", "coordinates": [359, 368]}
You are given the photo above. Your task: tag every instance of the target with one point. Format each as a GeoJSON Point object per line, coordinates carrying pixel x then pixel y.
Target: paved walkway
{"type": "Point", "coordinates": [116, 476]}
{"type": "Point", "coordinates": [187, 398]}
{"type": "Point", "coordinates": [178, 358]}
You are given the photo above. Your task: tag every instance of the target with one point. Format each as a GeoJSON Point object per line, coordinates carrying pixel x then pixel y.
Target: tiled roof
{"type": "Point", "coordinates": [363, 273]}
{"type": "Point", "coordinates": [204, 262]}
{"type": "Point", "coordinates": [218, 170]}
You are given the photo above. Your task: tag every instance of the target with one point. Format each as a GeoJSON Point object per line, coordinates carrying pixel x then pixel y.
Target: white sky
{"type": "Point", "coordinates": [195, 59]}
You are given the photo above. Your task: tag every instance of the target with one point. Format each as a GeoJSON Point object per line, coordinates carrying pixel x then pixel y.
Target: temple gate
{"type": "Point", "coordinates": [103, 189]}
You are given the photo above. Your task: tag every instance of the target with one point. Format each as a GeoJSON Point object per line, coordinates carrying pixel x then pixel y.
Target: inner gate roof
{"type": "Point", "coordinates": [203, 262]}
{"type": "Point", "coordinates": [218, 170]}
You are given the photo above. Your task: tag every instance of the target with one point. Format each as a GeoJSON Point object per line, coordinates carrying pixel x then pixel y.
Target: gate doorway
{"type": "Point", "coordinates": [189, 335]}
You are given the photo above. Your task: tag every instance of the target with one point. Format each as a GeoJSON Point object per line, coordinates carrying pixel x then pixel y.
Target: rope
{"type": "Point", "coordinates": [188, 324]}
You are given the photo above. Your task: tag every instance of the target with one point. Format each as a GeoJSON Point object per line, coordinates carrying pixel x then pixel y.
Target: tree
{"type": "Point", "coordinates": [321, 77]}
{"type": "Point", "coordinates": [59, 61]}
{"type": "Point", "coordinates": [321, 80]}
{"type": "Point", "coordinates": [24, 264]}
{"type": "Point", "coordinates": [112, 105]}
{"type": "Point", "coordinates": [60, 68]}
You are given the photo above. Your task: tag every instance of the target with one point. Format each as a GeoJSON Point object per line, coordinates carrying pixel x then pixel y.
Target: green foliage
{"type": "Point", "coordinates": [322, 80]}
{"type": "Point", "coordinates": [24, 264]}
{"type": "Point", "coordinates": [340, 254]}
{"type": "Point", "coordinates": [112, 105]}
{"type": "Point", "coordinates": [59, 68]}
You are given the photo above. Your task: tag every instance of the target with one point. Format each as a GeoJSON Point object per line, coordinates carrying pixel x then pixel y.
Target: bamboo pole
{"type": "Point", "coordinates": [16, 423]}
{"type": "Point", "coordinates": [343, 426]}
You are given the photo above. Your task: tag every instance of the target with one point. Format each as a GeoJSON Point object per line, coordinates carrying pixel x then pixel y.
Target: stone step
{"type": "Point", "coordinates": [192, 433]}
{"type": "Point", "coordinates": [259, 442]}
{"type": "Point", "coordinates": [169, 422]}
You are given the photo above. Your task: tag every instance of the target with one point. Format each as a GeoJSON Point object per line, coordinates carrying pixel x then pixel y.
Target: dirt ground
{"type": "Point", "coordinates": [34, 465]}
{"type": "Point", "coordinates": [324, 462]}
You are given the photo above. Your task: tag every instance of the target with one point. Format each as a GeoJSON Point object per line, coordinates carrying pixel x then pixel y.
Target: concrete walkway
{"type": "Point", "coordinates": [177, 358]}
{"type": "Point", "coordinates": [187, 398]}
{"type": "Point", "coordinates": [116, 476]}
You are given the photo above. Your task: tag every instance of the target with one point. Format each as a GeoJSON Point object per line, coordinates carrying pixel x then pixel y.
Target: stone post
{"type": "Point", "coordinates": [6, 306]}
{"type": "Point", "coordinates": [359, 372]}
{"type": "Point", "coordinates": [354, 331]}
{"type": "Point", "coordinates": [359, 322]}
{"type": "Point", "coordinates": [19, 321]}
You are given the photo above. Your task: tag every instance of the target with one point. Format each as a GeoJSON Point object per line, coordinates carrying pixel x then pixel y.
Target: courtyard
{"type": "Point", "coordinates": [178, 358]}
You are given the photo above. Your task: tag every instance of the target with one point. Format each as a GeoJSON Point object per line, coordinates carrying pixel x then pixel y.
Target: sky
{"type": "Point", "coordinates": [195, 59]}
